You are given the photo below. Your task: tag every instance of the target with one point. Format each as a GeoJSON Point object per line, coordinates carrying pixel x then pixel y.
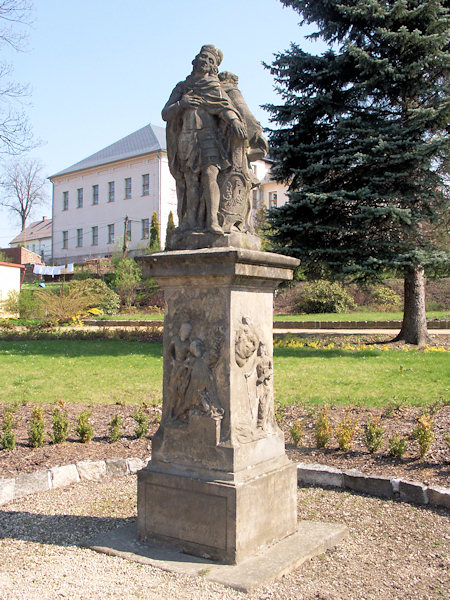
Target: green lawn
{"type": "Point", "coordinates": [359, 316]}
{"type": "Point", "coordinates": [114, 370]}
{"type": "Point", "coordinates": [353, 316]}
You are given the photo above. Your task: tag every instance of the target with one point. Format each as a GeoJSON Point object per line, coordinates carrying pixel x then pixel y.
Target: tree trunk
{"type": "Point", "coordinates": [414, 326]}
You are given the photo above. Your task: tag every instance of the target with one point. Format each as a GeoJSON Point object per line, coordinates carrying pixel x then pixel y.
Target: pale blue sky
{"type": "Point", "coordinates": [101, 69]}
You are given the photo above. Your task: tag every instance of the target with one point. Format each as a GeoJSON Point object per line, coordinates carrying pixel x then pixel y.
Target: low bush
{"type": "Point", "coordinates": [296, 432]}
{"type": "Point", "coordinates": [373, 435]}
{"type": "Point", "coordinates": [323, 429]}
{"type": "Point", "coordinates": [103, 297]}
{"type": "Point", "coordinates": [397, 446]}
{"type": "Point", "coordinates": [141, 418]}
{"type": "Point", "coordinates": [60, 425]}
{"type": "Point", "coordinates": [325, 297]}
{"type": "Point", "coordinates": [84, 429]}
{"type": "Point", "coordinates": [345, 431]}
{"type": "Point", "coordinates": [115, 428]}
{"type": "Point", "coordinates": [385, 298]}
{"type": "Point", "coordinates": [423, 434]}
{"type": "Point", "coordinates": [8, 437]}
{"type": "Point", "coordinates": [36, 430]}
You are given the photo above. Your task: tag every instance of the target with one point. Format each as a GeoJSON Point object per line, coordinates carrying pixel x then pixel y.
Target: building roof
{"type": "Point", "coordinates": [150, 138]}
{"type": "Point", "coordinates": [36, 231]}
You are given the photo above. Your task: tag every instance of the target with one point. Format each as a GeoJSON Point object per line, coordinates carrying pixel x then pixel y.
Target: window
{"type": "Point", "coordinates": [145, 184]}
{"type": "Point", "coordinates": [65, 239]}
{"type": "Point", "coordinates": [145, 228]}
{"type": "Point", "coordinates": [111, 191]}
{"type": "Point", "coordinates": [80, 198]}
{"type": "Point", "coordinates": [272, 199]}
{"type": "Point", "coordinates": [65, 200]}
{"type": "Point", "coordinates": [95, 194]}
{"type": "Point", "coordinates": [129, 231]}
{"type": "Point", "coordinates": [79, 238]}
{"type": "Point", "coordinates": [127, 188]}
{"type": "Point", "coordinates": [111, 234]}
{"type": "Point", "coordinates": [95, 235]}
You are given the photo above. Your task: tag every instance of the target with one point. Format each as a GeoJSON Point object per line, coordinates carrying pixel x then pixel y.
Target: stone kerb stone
{"type": "Point", "coordinates": [30, 483]}
{"type": "Point", "coordinates": [64, 476]}
{"type": "Point", "coordinates": [91, 470]}
{"type": "Point", "coordinates": [316, 474]}
{"type": "Point", "coordinates": [374, 486]}
{"type": "Point", "coordinates": [438, 496]}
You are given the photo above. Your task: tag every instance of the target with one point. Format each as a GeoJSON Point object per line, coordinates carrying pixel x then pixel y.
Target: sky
{"type": "Point", "coordinates": [99, 70]}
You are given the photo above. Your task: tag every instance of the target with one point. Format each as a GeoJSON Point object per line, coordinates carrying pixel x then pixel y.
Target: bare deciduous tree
{"type": "Point", "coordinates": [24, 188]}
{"type": "Point", "coordinates": [15, 131]}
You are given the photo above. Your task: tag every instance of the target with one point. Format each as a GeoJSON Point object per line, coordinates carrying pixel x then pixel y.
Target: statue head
{"type": "Point", "coordinates": [208, 59]}
{"type": "Point", "coordinates": [185, 331]}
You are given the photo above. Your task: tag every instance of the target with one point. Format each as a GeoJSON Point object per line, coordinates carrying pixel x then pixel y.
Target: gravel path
{"type": "Point", "coordinates": [395, 551]}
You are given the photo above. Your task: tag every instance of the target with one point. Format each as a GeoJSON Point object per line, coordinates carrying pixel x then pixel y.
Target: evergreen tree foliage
{"type": "Point", "coordinates": [362, 138]}
{"type": "Point", "coordinates": [154, 242]}
{"type": "Point", "coordinates": [170, 226]}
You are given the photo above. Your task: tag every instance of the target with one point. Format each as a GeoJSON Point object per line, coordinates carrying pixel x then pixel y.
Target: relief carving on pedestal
{"type": "Point", "coordinates": [192, 381]}
{"type": "Point", "coordinates": [257, 368]}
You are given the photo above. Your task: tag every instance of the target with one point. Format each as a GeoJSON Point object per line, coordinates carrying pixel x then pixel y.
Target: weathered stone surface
{"type": "Point", "coordinates": [211, 137]}
{"type": "Point", "coordinates": [116, 466]}
{"type": "Point", "coordinates": [317, 474]}
{"type": "Point", "coordinates": [64, 475]}
{"type": "Point", "coordinates": [438, 496]}
{"type": "Point", "coordinates": [30, 483]}
{"type": "Point", "coordinates": [375, 486]}
{"type": "Point", "coordinates": [91, 470]}
{"type": "Point", "coordinates": [7, 487]}
{"type": "Point", "coordinates": [215, 519]}
{"type": "Point", "coordinates": [411, 491]}
{"type": "Point", "coordinates": [135, 464]}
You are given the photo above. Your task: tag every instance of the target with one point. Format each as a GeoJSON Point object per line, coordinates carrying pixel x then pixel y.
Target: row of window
{"type": "Point", "coordinates": [110, 233]}
{"type": "Point", "coordinates": [111, 192]}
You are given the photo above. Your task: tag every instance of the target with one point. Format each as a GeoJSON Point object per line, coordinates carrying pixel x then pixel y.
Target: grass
{"type": "Point", "coordinates": [93, 371]}
{"type": "Point", "coordinates": [371, 377]}
{"type": "Point", "coordinates": [358, 316]}
{"type": "Point", "coordinates": [87, 371]}
{"type": "Point", "coordinates": [353, 316]}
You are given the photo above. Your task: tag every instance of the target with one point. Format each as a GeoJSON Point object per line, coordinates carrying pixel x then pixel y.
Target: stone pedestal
{"type": "Point", "coordinates": [219, 483]}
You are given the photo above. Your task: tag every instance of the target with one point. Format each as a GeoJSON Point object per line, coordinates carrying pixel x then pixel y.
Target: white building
{"type": "Point", "coordinates": [10, 281]}
{"type": "Point", "coordinates": [130, 178]}
{"type": "Point", "coordinates": [37, 237]}
{"type": "Point", "coordinates": [92, 198]}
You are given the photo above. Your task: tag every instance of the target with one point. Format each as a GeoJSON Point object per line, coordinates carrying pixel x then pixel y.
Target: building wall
{"type": "Point", "coordinates": [10, 276]}
{"type": "Point", "coordinates": [268, 187]}
{"type": "Point", "coordinates": [21, 256]}
{"type": "Point", "coordinates": [43, 247]}
{"type": "Point", "coordinates": [161, 198]}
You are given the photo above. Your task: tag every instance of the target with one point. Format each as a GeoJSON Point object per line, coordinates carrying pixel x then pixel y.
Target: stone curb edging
{"type": "Point", "coordinates": [58, 477]}
{"type": "Point", "coordinates": [383, 487]}
{"type": "Point", "coordinates": [307, 473]}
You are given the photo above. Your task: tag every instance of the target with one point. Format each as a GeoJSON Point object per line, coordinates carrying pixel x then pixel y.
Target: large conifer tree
{"type": "Point", "coordinates": [362, 142]}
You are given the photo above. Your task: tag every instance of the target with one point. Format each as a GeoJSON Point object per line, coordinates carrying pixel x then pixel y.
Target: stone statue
{"type": "Point", "coordinates": [211, 137]}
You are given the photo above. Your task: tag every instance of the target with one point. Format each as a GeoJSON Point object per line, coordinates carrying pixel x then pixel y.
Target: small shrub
{"type": "Point", "coordinates": [323, 429]}
{"type": "Point", "coordinates": [8, 437]}
{"type": "Point", "coordinates": [115, 428]}
{"type": "Point", "coordinates": [325, 297]}
{"type": "Point", "coordinates": [397, 446]}
{"type": "Point", "coordinates": [345, 431]}
{"type": "Point", "coordinates": [141, 419]}
{"type": "Point", "coordinates": [296, 432]}
{"type": "Point", "coordinates": [103, 297]}
{"type": "Point", "coordinates": [385, 298]}
{"type": "Point", "coordinates": [373, 435]}
{"type": "Point", "coordinates": [279, 412]}
{"type": "Point", "coordinates": [423, 434]}
{"type": "Point", "coordinates": [84, 429]}
{"type": "Point", "coordinates": [36, 430]}
{"type": "Point", "coordinates": [60, 425]}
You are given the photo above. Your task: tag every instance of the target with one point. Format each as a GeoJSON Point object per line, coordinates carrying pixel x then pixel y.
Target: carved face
{"type": "Point", "coordinates": [185, 331]}
{"type": "Point", "coordinates": [204, 62]}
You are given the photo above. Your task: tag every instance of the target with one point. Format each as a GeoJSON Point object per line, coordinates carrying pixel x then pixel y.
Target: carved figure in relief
{"type": "Point", "coordinates": [264, 372]}
{"type": "Point", "coordinates": [211, 136]}
{"type": "Point", "coordinates": [192, 380]}
{"type": "Point", "coordinates": [246, 342]}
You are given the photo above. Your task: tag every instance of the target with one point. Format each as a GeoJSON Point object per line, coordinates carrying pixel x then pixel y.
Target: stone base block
{"type": "Point", "coordinates": [221, 520]}
{"type": "Point", "coordinates": [311, 539]}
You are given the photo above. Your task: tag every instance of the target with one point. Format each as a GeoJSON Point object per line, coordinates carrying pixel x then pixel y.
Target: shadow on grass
{"type": "Point", "coordinates": [73, 348]}
{"type": "Point", "coordinates": [60, 530]}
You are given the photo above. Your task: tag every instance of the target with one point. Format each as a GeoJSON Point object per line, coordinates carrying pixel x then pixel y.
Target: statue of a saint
{"type": "Point", "coordinates": [211, 137]}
